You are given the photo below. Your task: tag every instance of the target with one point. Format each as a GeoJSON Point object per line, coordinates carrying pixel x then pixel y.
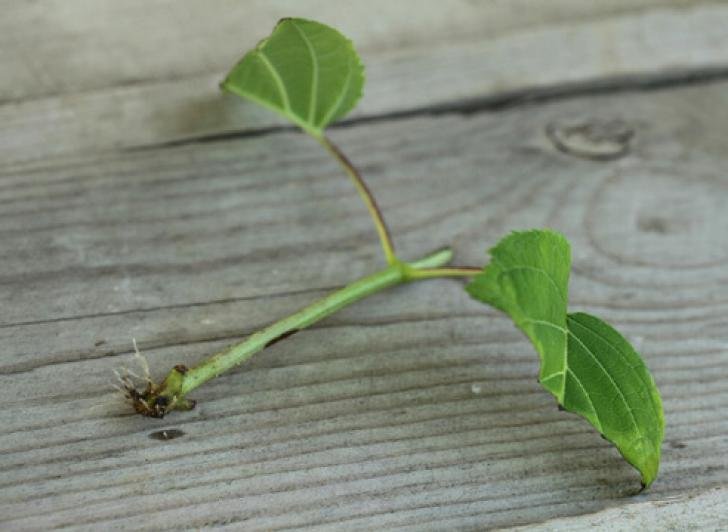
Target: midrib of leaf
{"type": "Point", "coordinates": [314, 74]}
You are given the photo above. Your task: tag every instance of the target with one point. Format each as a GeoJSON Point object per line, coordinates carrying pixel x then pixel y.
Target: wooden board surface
{"type": "Point", "coordinates": [135, 87]}
{"type": "Point", "coordinates": [417, 408]}
{"type": "Point", "coordinates": [61, 47]}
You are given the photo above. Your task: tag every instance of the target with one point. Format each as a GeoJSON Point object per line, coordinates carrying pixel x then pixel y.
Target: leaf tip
{"type": "Point", "coordinates": [649, 465]}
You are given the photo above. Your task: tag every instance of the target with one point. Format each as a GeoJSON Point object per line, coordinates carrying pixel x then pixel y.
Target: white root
{"type": "Point", "coordinates": [128, 381]}
{"type": "Point", "coordinates": [142, 361]}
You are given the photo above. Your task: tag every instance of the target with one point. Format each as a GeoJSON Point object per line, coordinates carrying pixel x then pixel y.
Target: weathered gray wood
{"type": "Point", "coordinates": [417, 408]}
{"type": "Point", "coordinates": [697, 511]}
{"type": "Point", "coordinates": [124, 76]}
{"type": "Point", "coordinates": [61, 47]}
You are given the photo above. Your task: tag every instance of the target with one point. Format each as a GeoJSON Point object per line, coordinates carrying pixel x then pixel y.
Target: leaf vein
{"type": "Point", "coordinates": [339, 99]}
{"type": "Point", "coordinates": [538, 270]}
{"type": "Point", "coordinates": [547, 323]}
{"type": "Point", "coordinates": [588, 398]}
{"type": "Point", "coordinates": [314, 74]}
{"type": "Point", "coordinates": [278, 80]}
{"type": "Point", "coordinates": [552, 375]}
{"type": "Point", "coordinates": [611, 379]}
{"type": "Point", "coordinates": [624, 357]}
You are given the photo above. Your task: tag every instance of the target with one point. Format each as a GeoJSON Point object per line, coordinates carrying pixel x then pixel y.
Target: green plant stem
{"type": "Point", "coordinates": [431, 273]}
{"type": "Point", "coordinates": [375, 212]}
{"type": "Point", "coordinates": [390, 276]}
{"type": "Point", "coordinates": [157, 400]}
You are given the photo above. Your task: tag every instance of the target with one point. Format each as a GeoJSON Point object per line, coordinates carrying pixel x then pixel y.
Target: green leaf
{"type": "Point", "coordinates": [306, 71]}
{"type": "Point", "coordinates": [585, 363]}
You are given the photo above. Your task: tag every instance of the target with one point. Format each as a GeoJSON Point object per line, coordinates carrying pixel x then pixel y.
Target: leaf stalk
{"type": "Point", "coordinates": [366, 195]}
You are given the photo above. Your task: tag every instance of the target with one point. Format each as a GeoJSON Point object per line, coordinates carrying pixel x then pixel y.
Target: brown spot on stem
{"type": "Point", "coordinates": [282, 337]}
{"type": "Point", "coordinates": [181, 368]}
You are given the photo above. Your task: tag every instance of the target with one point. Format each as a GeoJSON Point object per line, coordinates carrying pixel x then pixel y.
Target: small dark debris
{"type": "Point", "coordinates": [166, 434]}
{"type": "Point", "coordinates": [99, 343]}
{"type": "Point", "coordinates": [654, 225]}
{"type": "Point", "coordinates": [161, 401]}
{"type": "Point", "coordinates": [181, 368]}
{"type": "Point", "coordinates": [674, 444]}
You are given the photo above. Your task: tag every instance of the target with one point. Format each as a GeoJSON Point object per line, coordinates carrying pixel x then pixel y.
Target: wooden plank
{"type": "Point", "coordinates": [709, 510]}
{"type": "Point", "coordinates": [70, 46]}
{"type": "Point", "coordinates": [416, 408]}
{"type": "Point", "coordinates": [175, 94]}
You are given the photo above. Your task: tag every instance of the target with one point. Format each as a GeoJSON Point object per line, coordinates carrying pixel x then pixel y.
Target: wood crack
{"type": "Point", "coordinates": [504, 101]}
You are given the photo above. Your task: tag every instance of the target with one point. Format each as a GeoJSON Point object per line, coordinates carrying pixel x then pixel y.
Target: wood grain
{"type": "Point", "coordinates": [106, 76]}
{"type": "Point", "coordinates": [706, 510]}
{"type": "Point", "coordinates": [61, 47]}
{"type": "Point", "coordinates": [417, 408]}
